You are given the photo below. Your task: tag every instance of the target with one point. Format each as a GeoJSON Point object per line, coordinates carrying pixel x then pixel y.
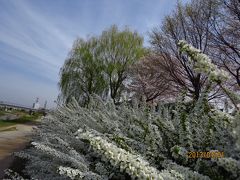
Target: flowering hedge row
{"type": "Point", "coordinates": [133, 141]}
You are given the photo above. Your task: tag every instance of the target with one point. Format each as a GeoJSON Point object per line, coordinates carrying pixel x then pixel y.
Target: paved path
{"type": "Point", "coordinates": [11, 141]}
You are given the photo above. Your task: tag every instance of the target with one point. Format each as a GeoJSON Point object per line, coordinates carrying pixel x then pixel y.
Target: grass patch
{"type": "Point", "coordinates": [5, 124]}
{"type": "Point", "coordinates": [13, 128]}
{"type": "Point", "coordinates": [2, 113]}
{"type": "Point", "coordinates": [21, 120]}
{"type": "Point", "coordinates": [25, 119]}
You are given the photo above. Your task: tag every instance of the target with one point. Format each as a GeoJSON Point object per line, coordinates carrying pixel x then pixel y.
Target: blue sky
{"type": "Point", "coordinates": [36, 36]}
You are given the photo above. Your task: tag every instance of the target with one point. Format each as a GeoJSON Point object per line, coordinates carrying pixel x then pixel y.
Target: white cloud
{"type": "Point", "coordinates": [30, 32]}
{"type": "Point", "coordinates": [35, 40]}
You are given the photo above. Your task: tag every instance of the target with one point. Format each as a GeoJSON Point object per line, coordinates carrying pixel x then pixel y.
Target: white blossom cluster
{"type": "Point", "coordinates": [76, 174]}
{"type": "Point", "coordinates": [64, 157]}
{"type": "Point", "coordinates": [185, 171]}
{"type": "Point", "coordinates": [70, 172]}
{"type": "Point", "coordinates": [202, 63]}
{"type": "Point", "coordinates": [105, 141]}
{"type": "Point", "coordinates": [230, 165]}
{"type": "Point", "coordinates": [13, 175]}
{"type": "Point", "coordinates": [132, 164]}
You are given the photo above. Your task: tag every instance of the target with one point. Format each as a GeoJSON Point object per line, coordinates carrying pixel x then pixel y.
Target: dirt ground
{"type": "Point", "coordinates": [13, 139]}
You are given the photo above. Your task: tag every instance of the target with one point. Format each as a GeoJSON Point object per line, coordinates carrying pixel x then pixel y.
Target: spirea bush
{"type": "Point", "coordinates": [136, 141]}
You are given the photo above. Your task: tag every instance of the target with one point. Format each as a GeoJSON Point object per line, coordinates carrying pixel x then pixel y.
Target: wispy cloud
{"type": "Point", "coordinates": [27, 32]}
{"type": "Point", "coordinates": [36, 36]}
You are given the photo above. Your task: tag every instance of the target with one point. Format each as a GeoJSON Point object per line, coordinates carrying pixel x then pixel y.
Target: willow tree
{"type": "Point", "coordinates": [120, 49]}
{"type": "Point", "coordinates": [82, 72]}
{"type": "Point", "coordinates": [99, 65]}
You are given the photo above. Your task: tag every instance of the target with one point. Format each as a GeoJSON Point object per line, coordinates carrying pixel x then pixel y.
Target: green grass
{"type": "Point", "coordinates": [2, 113]}
{"type": "Point", "coordinates": [9, 128]}
{"type": "Point", "coordinates": [5, 124]}
{"type": "Point", "coordinates": [21, 120]}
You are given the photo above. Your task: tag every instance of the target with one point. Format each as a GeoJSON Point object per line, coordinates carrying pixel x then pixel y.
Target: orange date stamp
{"type": "Point", "coordinates": [206, 155]}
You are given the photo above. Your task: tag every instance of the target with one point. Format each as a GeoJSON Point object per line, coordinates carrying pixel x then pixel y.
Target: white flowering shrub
{"type": "Point", "coordinates": [202, 63]}
{"type": "Point", "coordinates": [105, 141]}
{"type": "Point", "coordinates": [133, 141]}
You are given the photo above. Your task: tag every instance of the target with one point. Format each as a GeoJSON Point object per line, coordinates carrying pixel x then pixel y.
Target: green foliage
{"type": "Point", "coordinates": [120, 50]}
{"type": "Point", "coordinates": [2, 113]}
{"type": "Point", "coordinates": [20, 120]}
{"type": "Point", "coordinates": [82, 73]}
{"type": "Point", "coordinates": [99, 65]}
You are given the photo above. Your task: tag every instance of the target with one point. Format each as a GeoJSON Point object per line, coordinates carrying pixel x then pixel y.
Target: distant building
{"type": "Point", "coordinates": [36, 105]}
